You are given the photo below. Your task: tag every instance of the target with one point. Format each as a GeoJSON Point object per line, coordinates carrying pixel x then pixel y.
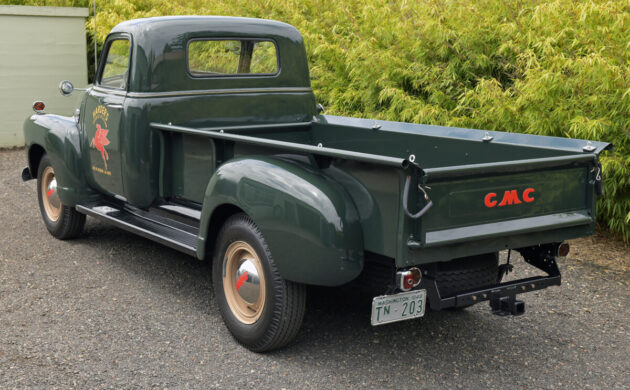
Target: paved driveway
{"type": "Point", "coordinates": [114, 310]}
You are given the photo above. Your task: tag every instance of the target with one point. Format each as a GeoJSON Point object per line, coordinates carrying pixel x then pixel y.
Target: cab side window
{"type": "Point", "coordinates": [116, 67]}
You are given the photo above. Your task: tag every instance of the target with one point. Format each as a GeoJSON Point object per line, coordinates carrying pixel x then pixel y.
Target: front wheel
{"type": "Point", "coordinates": [63, 222]}
{"type": "Point", "coordinates": [261, 309]}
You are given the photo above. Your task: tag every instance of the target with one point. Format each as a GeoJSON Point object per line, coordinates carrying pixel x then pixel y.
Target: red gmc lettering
{"type": "Point", "coordinates": [488, 199]}
{"type": "Point", "coordinates": [510, 197]}
{"type": "Point", "coordinates": [526, 195]}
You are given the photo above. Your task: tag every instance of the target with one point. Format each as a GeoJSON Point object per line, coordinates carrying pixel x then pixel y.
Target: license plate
{"type": "Point", "coordinates": [398, 307]}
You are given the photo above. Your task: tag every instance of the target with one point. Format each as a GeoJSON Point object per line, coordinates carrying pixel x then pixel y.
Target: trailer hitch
{"type": "Point", "coordinates": [506, 305]}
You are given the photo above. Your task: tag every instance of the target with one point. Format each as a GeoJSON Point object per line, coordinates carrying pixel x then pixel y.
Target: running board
{"type": "Point", "coordinates": [164, 232]}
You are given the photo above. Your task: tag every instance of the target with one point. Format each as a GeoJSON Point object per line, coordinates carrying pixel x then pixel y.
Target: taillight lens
{"type": "Point", "coordinates": [38, 106]}
{"type": "Point", "coordinates": [408, 279]}
{"type": "Point", "coordinates": [563, 250]}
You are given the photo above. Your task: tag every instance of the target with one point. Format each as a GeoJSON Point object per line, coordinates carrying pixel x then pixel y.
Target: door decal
{"type": "Point", "coordinates": [99, 119]}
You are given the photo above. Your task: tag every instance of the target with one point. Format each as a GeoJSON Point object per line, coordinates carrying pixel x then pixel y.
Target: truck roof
{"type": "Point", "coordinates": [159, 52]}
{"type": "Point", "coordinates": [216, 24]}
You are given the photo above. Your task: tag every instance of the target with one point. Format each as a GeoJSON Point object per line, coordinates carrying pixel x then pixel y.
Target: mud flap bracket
{"type": "Point", "coordinates": [26, 174]}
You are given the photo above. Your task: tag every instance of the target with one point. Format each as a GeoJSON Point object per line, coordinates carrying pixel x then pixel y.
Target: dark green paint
{"type": "Point", "coordinates": [460, 202]}
{"type": "Point", "coordinates": [60, 138]}
{"type": "Point", "coordinates": [309, 222]}
{"type": "Point", "coordinates": [319, 208]}
{"type": "Point", "coordinates": [103, 173]}
{"type": "Point", "coordinates": [160, 62]}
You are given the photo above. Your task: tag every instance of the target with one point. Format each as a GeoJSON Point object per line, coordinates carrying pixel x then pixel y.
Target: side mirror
{"type": "Point", "coordinates": [66, 88]}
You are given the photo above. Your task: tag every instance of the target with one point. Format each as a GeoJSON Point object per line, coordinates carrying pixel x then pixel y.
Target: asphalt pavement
{"type": "Point", "coordinates": [113, 310]}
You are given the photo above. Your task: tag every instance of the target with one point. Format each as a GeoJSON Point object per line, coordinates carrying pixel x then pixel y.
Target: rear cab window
{"type": "Point", "coordinates": [232, 57]}
{"type": "Point", "coordinates": [115, 71]}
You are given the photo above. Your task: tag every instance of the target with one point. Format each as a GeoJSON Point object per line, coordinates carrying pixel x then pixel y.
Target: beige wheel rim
{"type": "Point", "coordinates": [50, 198]}
{"type": "Point", "coordinates": [243, 282]}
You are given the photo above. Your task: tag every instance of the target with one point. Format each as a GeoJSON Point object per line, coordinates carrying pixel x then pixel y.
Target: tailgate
{"type": "Point", "coordinates": [485, 201]}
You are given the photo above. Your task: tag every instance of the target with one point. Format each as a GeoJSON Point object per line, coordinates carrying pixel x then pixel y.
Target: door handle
{"type": "Point", "coordinates": [113, 105]}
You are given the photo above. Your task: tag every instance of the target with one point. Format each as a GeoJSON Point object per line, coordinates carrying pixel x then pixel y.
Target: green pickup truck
{"type": "Point", "coordinates": [203, 134]}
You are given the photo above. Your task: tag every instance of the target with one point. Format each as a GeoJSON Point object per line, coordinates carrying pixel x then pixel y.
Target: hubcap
{"type": "Point", "coordinates": [243, 282]}
{"type": "Point", "coordinates": [248, 282]}
{"type": "Point", "coordinates": [50, 198]}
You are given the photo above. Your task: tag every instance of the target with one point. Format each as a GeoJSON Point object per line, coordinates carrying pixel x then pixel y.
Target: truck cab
{"type": "Point", "coordinates": [200, 72]}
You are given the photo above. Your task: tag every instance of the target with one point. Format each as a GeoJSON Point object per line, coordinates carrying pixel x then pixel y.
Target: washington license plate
{"type": "Point", "coordinates": [398, 307]}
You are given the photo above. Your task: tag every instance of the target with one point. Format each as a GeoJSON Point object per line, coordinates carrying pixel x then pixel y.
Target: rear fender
{"type": "Point", "coordinates": [59, 137]}
{"type": "Point", "coordinates": [310, 223]}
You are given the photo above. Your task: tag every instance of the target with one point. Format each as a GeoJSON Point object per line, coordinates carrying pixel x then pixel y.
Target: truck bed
{"type": "Point", "coordinates": [456, 167]}
{"type": "Point", "coordinates": [433, 146]}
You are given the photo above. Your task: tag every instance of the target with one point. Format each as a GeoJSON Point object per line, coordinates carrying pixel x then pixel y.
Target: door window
{"type": "Point", "coordinates": [116, 65]}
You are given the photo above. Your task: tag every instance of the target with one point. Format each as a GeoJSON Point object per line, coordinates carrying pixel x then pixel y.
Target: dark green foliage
{"type": "Point", "coordinates": [559, 68]}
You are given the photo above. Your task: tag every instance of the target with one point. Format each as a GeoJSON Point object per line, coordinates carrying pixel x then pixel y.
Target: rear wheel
{"type": "Point", "coordinates": [63, 222]}
{"type": "Point", "coordinates": [261, 310]}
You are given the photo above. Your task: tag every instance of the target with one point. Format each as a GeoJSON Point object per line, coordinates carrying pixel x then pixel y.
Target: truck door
{"type": "Point", "coordinates": [103, 117]}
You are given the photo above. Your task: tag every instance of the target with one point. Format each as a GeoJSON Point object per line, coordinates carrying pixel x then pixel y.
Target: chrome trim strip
{"type": "Point", "coordinates": [110, 91]}
{"type": "Point", "coordinates": [201, 92]}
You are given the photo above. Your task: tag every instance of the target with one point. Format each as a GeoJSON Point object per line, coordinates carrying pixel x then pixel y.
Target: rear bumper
{"type": "Point", "coordinates": [507, 289]}
{"type": "Point", "coordinates": [502, 294]}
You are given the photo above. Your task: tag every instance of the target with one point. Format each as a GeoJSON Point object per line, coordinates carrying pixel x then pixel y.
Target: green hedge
{"type": "Point", "coordinates": [559, 68]}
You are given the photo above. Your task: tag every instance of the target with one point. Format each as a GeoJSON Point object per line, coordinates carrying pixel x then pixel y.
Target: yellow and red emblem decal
{"type": "Point", "coordinates": [100, 116]}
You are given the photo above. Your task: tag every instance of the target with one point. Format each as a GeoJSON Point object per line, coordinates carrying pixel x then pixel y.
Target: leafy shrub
{"type": "Point", "coordinates": [557, 68]}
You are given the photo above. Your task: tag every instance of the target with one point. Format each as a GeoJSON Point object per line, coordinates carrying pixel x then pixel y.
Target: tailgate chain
{"type": "Point", "coordinates": [406, 199]}
{"type": "Point", "coordinates": [599, 184]}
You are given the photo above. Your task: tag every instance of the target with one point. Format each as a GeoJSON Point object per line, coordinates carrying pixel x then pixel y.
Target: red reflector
{"type": "Point", "coordinates": [563, 249]}
{"type": "Point", "coordinates": [415, 275]}
{"type": "Point", "coordinates": [409, 281]}
{"type": "Point", "coordinates": [38, 106]}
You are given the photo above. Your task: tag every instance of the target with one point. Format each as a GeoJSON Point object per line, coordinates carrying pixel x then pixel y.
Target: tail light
{"type": "Point", "coordinates": [406, 280]}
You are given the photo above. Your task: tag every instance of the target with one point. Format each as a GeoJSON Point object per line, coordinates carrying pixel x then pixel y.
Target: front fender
{"type": "Point", "coordinates": [59, 136]}
{"type": "Point", "coordinates": [310, 223]}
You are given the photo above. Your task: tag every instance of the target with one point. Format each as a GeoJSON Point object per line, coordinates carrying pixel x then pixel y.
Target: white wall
{"type": "Point", "coordinates": [39, 47]}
